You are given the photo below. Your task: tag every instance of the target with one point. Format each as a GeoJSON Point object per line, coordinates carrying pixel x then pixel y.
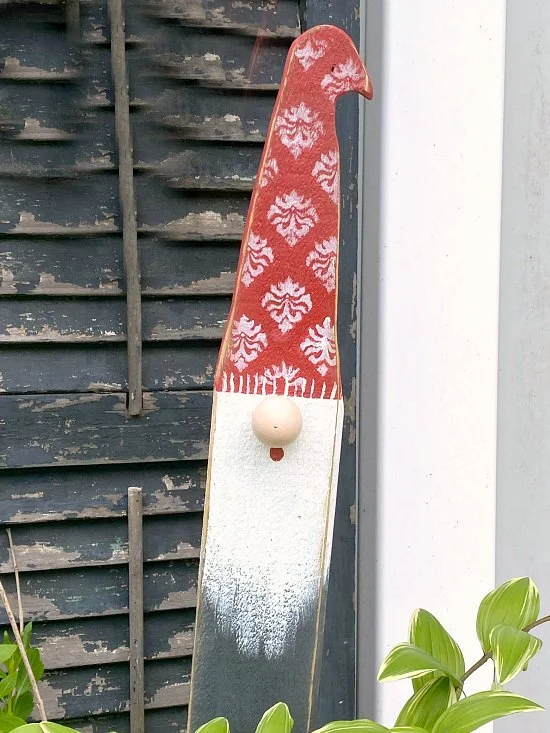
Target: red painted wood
{"type": "Point", "coordinates": [281, 333]}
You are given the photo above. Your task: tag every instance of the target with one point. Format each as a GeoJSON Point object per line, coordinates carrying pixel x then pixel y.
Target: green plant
{"type": "Point", "coordinates": [16, 699]}
{"type": "Point", "coordinates": [434, 663]}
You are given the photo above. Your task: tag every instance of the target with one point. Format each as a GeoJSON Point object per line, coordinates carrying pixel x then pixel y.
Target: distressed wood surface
{"type": "Point", "coordinates": [99, 492]}
{"type": "Point", "coordinates": [136, 559]}
{"type": "Point", "coordinates": [93, 429]}
{"type": "Point", "coordinates": [94, 267]}
{"type": "Point", "coordinates": [104, 320]}
{"type": "Point", "coordinates": [171, 720]}
{"type": "Point", "coordinates": [38, 547]}
{"type": "Point", "coordinates": [101, 367]}
{"type": "Point", "coordinates": [93, 641]}
{"type": "Point", "coordinates": [76, 692]}
{"type": "Point", "coordinates": [103, 591]}
{"type": "Point", "coordinates": [127, 202]}
{"type": "Point", "coordinates": [249, 18]}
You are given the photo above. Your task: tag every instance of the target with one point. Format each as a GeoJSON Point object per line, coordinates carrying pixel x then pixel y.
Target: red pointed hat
{"type": "Point", "coordinates": [281, 333]}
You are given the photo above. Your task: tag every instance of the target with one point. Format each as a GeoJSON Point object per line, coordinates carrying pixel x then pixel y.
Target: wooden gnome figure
{"type": "Point", "coordinates": [277, 412]}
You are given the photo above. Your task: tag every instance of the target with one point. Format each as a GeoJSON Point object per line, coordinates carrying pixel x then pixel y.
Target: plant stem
{"type": "Point", "coordinates": [17, 584]}
{"type": "Point", "coordinates": [536, 623]}
{"type": "Point", "coordinates": [19, 641]}
{"type": "Point", "coordinates": [485, 658]}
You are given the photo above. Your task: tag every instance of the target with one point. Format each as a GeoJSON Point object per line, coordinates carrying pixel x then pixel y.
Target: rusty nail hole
{"type": "Point", "coordinates": [276, 454]}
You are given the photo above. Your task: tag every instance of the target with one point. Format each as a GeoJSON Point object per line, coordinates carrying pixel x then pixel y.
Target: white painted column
{"type": "Point", "coordinates": [440, 179]}
{"type": "Point", "coordinates": [523, 475]}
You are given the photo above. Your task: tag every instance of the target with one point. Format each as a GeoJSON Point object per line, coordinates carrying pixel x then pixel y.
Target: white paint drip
{"type": "Point", "coordinates": [268, 523]}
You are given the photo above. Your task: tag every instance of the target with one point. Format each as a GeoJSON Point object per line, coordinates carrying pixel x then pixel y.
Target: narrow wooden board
{"type": "Point", "coordinates": [263, 588]}
{"type": "Point", "coordinates": [67, 545]}
{"type": "Point", "coordinates": [174, 426]}
{"type": "Point", "coordinates": [172, 365]}
{"type": "Point", "coordinates": [92, 641]}
{"type": "Point", "coordinates": [55, 595]}
{"type": "Point", "coordinates": [99, 492]}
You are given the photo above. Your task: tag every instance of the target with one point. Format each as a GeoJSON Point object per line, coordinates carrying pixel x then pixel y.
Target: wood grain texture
{"type": "Point", "coordinates": [93, 641]}
{"type": "Point", "coordinates": [67, 545]}
{"type": "Point", "coordinates": [95, 429]}
{"type": "Point", "coordinates": [132, 265]}
{"type": "Point", "coordinates": [170, 720]}
{"type": "Point", "coordinates": [99, 492]}
{"type": "Point", "coordinates": [136, 621]}
{"type": "Point", "coordinates": [55, 596]}
{"type": "Point", "coordinates": [58, 320]}
{"type": "Point", "coordinates": [104, 689]}
{"type": "Point", "coordinates": [81, 267]}
{"type": "Point", "coordinates": [101, 367]}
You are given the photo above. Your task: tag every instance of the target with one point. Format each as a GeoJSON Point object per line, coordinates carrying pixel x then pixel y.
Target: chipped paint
{"type": "Point", "coordinates": [48, 285]}
{"type": "Point", "coordinates": [15, 70]}
{"type": "Point", "coordinates": [350, 412]}
{"type": "Point", "coordinates": [58, 403]}
{"type": "Point", "coordinates": [7, 282]}
{"type": "Point", "coordinates": [178, 599]}
{"type": "Point", "coordinates": [29, 224]}
{"type": "Point", "coordinates": [33, 130]}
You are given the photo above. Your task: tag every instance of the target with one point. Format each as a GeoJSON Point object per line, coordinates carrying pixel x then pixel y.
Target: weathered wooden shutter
{"type": "Point", "coordinates": [203, 78]}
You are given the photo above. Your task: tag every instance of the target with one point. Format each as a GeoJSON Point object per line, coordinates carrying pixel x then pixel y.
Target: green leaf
{"type": "Point", "coordinates": [6, 652]}
{"type": "Point", "coordinates": [406, 660]}
{"type": "Point", "coordinates": [45, 727]}
{"type": "Point", "coordinates": [512, 650]}
{"type": "Point", "coordinates": [9, 722]}
{"type": "Point", "coordinates": [37, 666]}
{"type": "Point", "coordinates": [408, 729]}
{"type": "Point", "coordinates": [428, 634]}
{"type": "Point", "coordinates": [428, 704]}
{"type": "Point", "coordinates": [352, 726]}
{"type": "Point", "coordinates": [472, 712]}
{"type": "Point", "coordinates": [24, 705]}
{"type": "Point", "coordinates": [515, 603]}
{"type": "Point", "coordinates": [26, 635]}
{"type": "Point", "coordinates": [216, 725]}
{"type": "Point", "coordinates": [276, 720]}
{"type": "Point", "coordinates": [7, 685]}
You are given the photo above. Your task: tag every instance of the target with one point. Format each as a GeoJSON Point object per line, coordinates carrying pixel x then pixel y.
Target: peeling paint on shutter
{"type": "Point", "coordinates": [203, 77]}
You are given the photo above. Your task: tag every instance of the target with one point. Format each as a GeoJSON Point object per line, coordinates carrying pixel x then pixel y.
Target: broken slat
{"type": "Point", "coordinates": [67, 545]}
{"type": "Point", "coordinates": [132, 267]}
{"type": "Point", "coordinates": [175, 426]}
{"type": "Point", "coordinates": [55, 595]}
{"type": "Point", "coordinates": [99, 492]}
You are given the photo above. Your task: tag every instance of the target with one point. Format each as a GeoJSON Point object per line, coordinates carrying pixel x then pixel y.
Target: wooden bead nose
{"type": "Point", "coordinates": [277, 421]}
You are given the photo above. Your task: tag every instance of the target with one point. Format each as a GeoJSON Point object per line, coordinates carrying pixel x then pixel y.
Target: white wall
{"type": "Point", "coordinates": [523, 477]}
{"type": "Point", "coordinates": [440, 68]}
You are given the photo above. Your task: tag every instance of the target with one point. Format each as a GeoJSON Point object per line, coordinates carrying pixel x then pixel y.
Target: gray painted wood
{"type": "Point", "coordinates": [54, 595]}
{"type": "Point", "coordinates": [337, 681]}
{"type": "Point", "coordinates": [98, 492]}
{"type": "Point", "coordinates": [92, 429]}
{"type": "Point", "coordinates": [127, 202]}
